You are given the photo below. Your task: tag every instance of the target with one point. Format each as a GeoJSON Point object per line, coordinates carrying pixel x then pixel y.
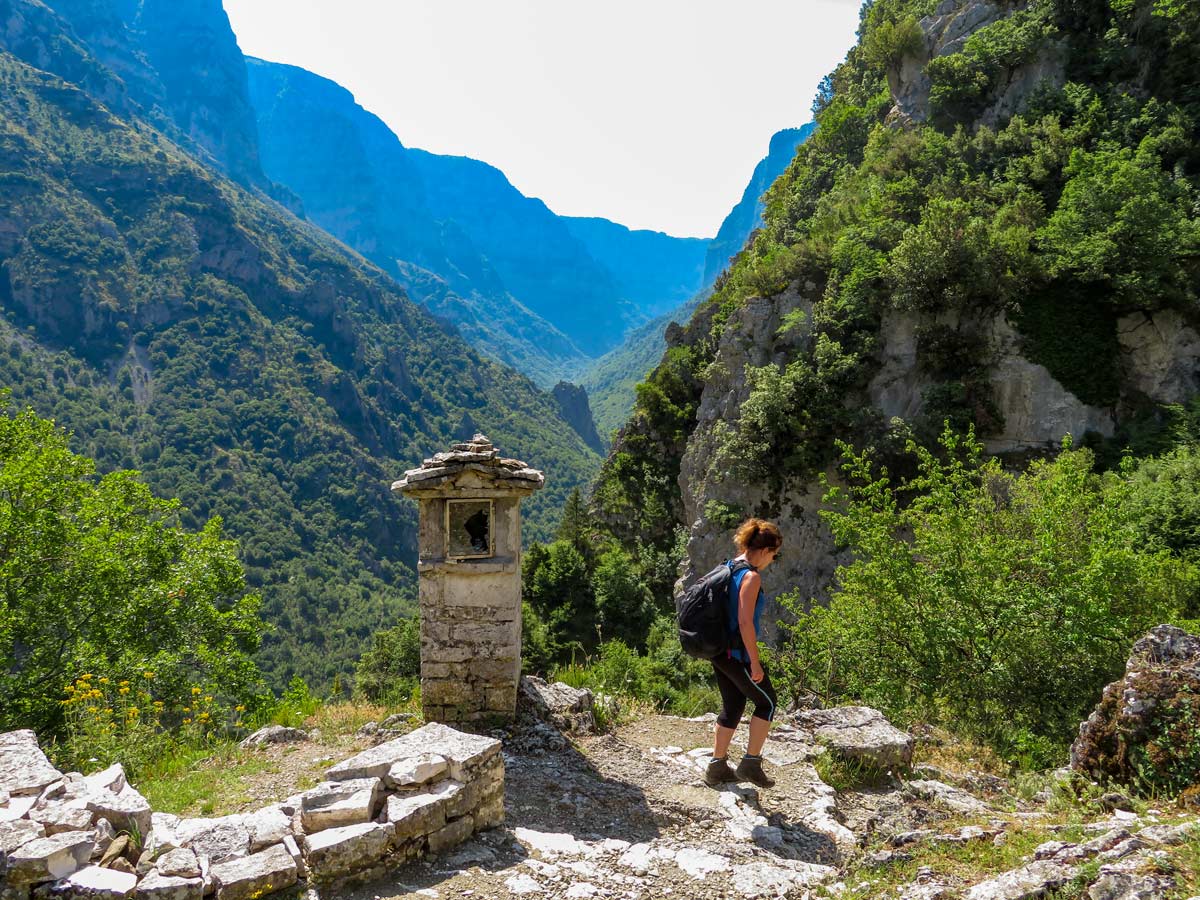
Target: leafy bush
{"type": "Point", "coordinates": [389, 671]}
{"type": "Point", "coordinates": [98, 577]}
{"type": "Point", "coordinates": [1003, 601]}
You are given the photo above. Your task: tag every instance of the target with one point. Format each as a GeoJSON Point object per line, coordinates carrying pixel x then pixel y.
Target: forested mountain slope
{"type": "Point", "coordinates": [994, 224]}
{"type": "Point", "coordinates": [243, 360]}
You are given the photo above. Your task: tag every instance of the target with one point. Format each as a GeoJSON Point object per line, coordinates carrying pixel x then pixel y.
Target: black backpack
{"type": "Point", "coordinates": [702, 612]}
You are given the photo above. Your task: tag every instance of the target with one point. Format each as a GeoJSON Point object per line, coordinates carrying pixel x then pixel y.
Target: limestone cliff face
{"type": "Point", "coordinates": [946, 32]}
{"type": "Point", "coordinates": [1158, 359]}
{"type": "Point", "coordinates": [573, 406]}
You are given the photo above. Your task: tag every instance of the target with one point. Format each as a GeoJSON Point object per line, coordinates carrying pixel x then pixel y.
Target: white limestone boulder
{"type": "Point", "coordinates": [859, 733]}
{"type": "Point", "coordinates": [95, 883]}
{"type": "Point", "coordinates": [1036, 879]}
{"type": "Point", "coordinates": [181, 863]}
{"type": "Point", "coordinates": [156, 886]}
{"type": "Point", "coordinates": [341, 851]}
{"type": "Point", "coordinates": [951, 798]}
{"type": "Point", "coordinates": [267, 826]}
{"type": "Point", "coordinates": [274, 734]}
{"type": "Point", "coordinates": [334, 804]}
{"type": "Point", "coordinates": [24, 768]}
{"type": "Point", "coordinates": [58, 817]}
{"type": "Point", "coordinates": [414, 815]}
{"type": "Point", "coordinates": [463, 752]}
{"type": "Point", "coordinates": [416, 770]}
{"type": "Point", "coordinates": [253, 876]}
{"type": "Point", "coordinates": [19, 831]}
{"type": "Point", "coordinates": [49, 858]}
{"type": "Point", "coordinates": [111, 779]}
{"type": "Point", "coordinates": [127, 810]}
{"type": "Point", "coordinates": [217, 840]}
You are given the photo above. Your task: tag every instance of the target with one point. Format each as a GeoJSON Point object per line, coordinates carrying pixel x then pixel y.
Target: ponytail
{"type": "Point", "coordinates": [757, 534]}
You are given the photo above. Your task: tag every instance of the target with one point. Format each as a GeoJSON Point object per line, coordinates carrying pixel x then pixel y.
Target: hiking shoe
{"type": "Point", "coordinates": [718, 773]}
{"type": "Point", "coordinates": [750, 769]}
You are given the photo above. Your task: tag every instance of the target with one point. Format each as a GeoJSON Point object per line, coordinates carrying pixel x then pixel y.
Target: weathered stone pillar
{"type": "Point", "coordinates": [469, 567]}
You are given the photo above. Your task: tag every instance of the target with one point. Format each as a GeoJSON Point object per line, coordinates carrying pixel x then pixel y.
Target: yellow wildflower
{"type": "Point", "coordinates": [123, 690]}
{"type": "Point", "coordinates": [187, 709]}
{"type": "Point", "coordinates": [239, 708]}
{"type": "Point", "coordinates": [125, 683]}
{"type": "Point", "coordinates": [208, 699]}
{"type": "Point", "coordinates": [148, 675]}
{"type": "Point", "coordinates": [108, 711]}
{"type": "Point", "coordinates": [104, 679]}
{"type": "Point", "coordinates": [93, 709]}
{"type": "Point", "coordinates": [187, 721]}
{"type": "Point", "coordinates": [195, 692]}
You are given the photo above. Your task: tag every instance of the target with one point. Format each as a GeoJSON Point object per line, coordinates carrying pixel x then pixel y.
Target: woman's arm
{"type": "Point", "coordinates": [747, 600]}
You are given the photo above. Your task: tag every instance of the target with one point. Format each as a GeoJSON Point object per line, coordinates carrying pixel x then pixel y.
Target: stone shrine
{"type": "Point", "coordinates": [469, 567]}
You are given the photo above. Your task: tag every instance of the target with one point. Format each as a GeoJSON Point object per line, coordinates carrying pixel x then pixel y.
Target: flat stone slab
{"type": "Point", "coordinates": [217, 839]}
{"type": "Point", "coordinates": [334, 804]}
{"type": "Point", "coordinates": [274, 734]}
{"type": "Point", "coordinates": [417, 770]}
{"type": "Point", "coordinates": [58, 817]}
{"type": "Point", "coordinates": [20, 831]}
{"type": "Point", "coordinates": [111, 779]}
{"type": "Point", "coordinates": [416, 814]}
{"type": "Point", "coordinates": [127, 811]}
{"type": "Point", "coordinates": [861, 733]}
{"type": "Point", "coordinates": [102, 884]}
{"type": "Point", "coordinates": [260, 873]}
{"type": "Point", "coordinates": [24, 768]}
{"type": "Point", "coordinates": [1034, 880]}
{"type": "Point", "coordinates": [157, 886]}
{"type": "Point", "coordinates": [952, 798]}
{"type": "Point", "coordinates": [338, 851]}
{"type": "Point", "coordinates": [461, 750]}
{"type": "Point", "coordinates": [49, 858]}
{"type": "Point", "coordinates": [179, 863]}
{"type": "Point", "coordinates": [267, 826]}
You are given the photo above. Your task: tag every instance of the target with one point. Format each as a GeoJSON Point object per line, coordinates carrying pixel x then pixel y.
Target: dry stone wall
{"type": "Point", "coordinates": [74, 836]}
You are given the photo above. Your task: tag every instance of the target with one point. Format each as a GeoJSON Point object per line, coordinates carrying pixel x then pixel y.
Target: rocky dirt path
{"type": "Point", "coordinates": [627, 815]}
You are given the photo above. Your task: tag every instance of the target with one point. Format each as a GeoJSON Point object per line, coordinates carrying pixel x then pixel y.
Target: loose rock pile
{"type": "Point", "coordinates": [74, 836]}
{"type": "Point", "coordinates": [1144, 726]}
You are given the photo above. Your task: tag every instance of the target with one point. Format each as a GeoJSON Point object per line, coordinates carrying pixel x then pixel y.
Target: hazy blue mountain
{"type": "Point", "coordinates": [357, 181]}
{"type": "Point", "coordinates": [654, 270]}
{"type": "Point", "coordinates": [747, 215]}
{"type": "Point", "coordinates": [540, 262]}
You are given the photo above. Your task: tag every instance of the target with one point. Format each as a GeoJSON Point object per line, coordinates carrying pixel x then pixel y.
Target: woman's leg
{"type": "Point", "coordinates": [733, 704]}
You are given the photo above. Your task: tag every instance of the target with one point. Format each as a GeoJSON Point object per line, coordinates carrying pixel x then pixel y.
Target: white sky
{"type": "Point", "coordinates": [651, 113]}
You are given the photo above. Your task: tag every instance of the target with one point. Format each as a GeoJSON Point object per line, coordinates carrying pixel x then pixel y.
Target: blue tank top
{"type": "Point", "coordinates": [735, 588]}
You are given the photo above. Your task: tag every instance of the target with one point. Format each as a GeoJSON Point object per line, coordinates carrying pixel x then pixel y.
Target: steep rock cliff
{"type": "Point", "coordinates": [860, 314]}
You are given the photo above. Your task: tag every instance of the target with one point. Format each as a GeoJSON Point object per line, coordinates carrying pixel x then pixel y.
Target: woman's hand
{"type": "Point", "coordinates": [756, 671]}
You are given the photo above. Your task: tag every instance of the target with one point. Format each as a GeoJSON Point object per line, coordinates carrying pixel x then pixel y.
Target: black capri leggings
{"type": "Point", "coordinates": [736, 687]}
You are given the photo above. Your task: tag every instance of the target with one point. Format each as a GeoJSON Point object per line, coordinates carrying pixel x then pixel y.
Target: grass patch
{"type": "Point", "coordinates": [203, 781]}
{"type": "Point", "coordinates": [844, 774]}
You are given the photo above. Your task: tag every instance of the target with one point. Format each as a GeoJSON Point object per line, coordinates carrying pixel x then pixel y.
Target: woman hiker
{"type": "Point", "coordinates": [740, 675]}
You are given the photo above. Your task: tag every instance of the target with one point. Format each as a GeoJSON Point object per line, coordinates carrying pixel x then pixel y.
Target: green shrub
{"type": "Point", "coordinates": [1003, 602]}
{"type": "Point", "coordinates": [389, 672]}
{"type": "Point", "coordinates": [98, 577]}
